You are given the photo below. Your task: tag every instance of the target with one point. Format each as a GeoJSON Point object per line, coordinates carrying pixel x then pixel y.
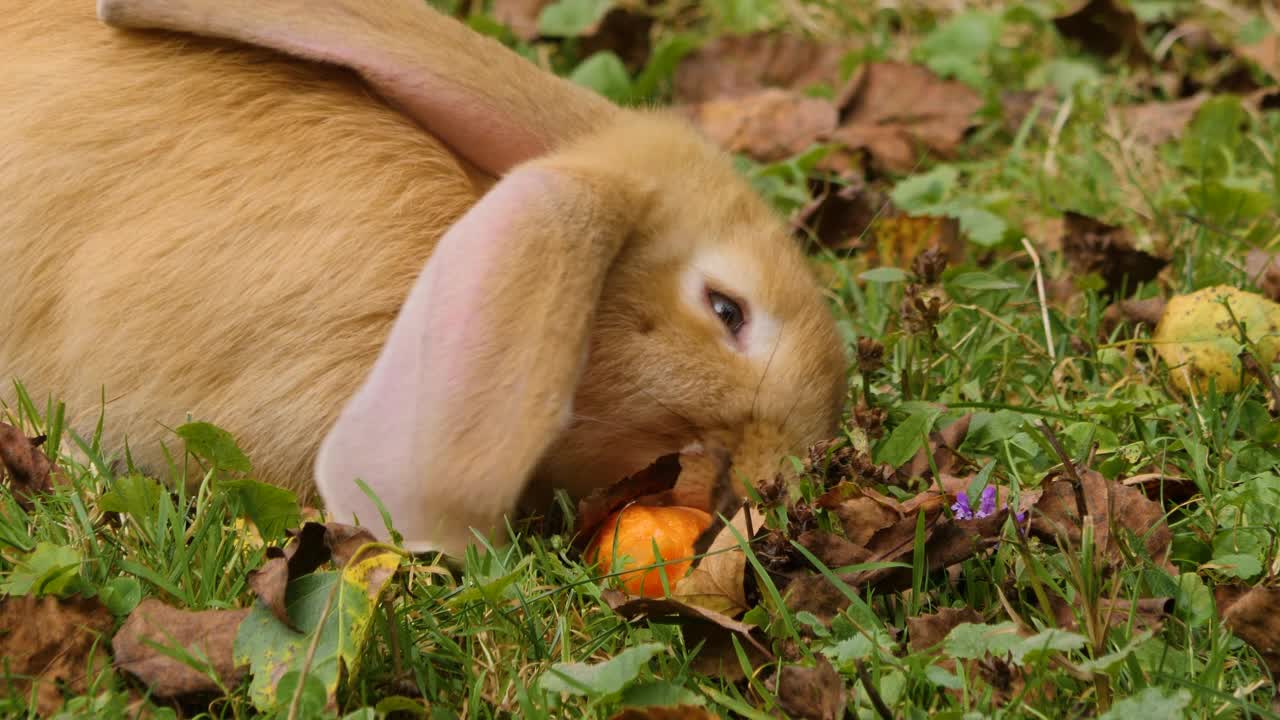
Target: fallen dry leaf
{"type": "Point", "coordinates": [943, 449]}
{"type": "Point", "coordinates": [208, 634]}
{"type": "Point", "coordinates": [1263, 269]}
{"type": "Point", "coordinates": [1265, 53]}
{"type": "Point", "coordinates": [737, 65]}
{"type": "Point", "coordinates": [305, 551]}
{"type": "Point", "coordinates": [672, 712]}
{"type": "Point", "coordinates": [1136, 312]}
{"type": "Point", "coordinates": [718, 581]}
{"type": "Point", "coordinates": [816, 693]}
{"type": "Point", "coordinates": [840, 216]}
{"type": "Point", "coordinates": [927, 631]}
{"type": "Point", "coordinates": [713, 630]}
{"type": "Point", "coordinates": [1199, 336]}
{"type": "Point", "coordinates": [1154, 123]}
{"type": "Point", "coordinates": [897, 112]}
{"type": "Point", "coordinates": [47, 642]}
{"type": "Point", "coordinates": [308, 548]}
{"type": "Point", "coordinates": [24, 464]}
{"type": "Point", "coordinates": [1105, 28]}
{"type": "Point", "coordinates": [704, 482]}
{"type": "Point", "coordinates": [768, 125]}
{"type": "Point", "coordinates": [621, 30]}
{"type": "Point", "coordinates": [1092, 246]}
{"type": "Point", "coordinates": [1255, 618]}
{"type": "Point", "coordinates": [1055, 515]}
{"type": "Point", "coordinates": [948, 541]}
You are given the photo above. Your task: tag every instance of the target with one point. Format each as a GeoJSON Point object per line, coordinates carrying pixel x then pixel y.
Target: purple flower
{"type": "Point", "coordinates": [961, 506]}
{"type": "Point", "coordinates": [987, 504]}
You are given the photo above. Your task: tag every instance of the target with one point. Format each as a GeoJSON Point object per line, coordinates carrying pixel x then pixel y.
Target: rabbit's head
{"type": "Point", "coordinates": [619, 293]}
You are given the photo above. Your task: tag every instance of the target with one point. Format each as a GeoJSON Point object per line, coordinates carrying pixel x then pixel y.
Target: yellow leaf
{"type": "Point", "coordinates": [1199, 340]}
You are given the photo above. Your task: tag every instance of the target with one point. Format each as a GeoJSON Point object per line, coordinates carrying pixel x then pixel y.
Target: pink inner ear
{"type": "Point", "coordinates": [390, 434]}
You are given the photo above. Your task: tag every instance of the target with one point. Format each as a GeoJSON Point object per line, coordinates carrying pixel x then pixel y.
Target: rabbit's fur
{"type": "Point", "coordinates": [192, 225]}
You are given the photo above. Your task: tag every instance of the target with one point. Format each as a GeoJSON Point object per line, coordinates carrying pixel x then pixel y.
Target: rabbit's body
{"type": "Point", "coordinates": [257, 283]}
{"type": "Point", "coordinates": [447, 273]}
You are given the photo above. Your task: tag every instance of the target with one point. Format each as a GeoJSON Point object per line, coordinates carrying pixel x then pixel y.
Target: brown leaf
{"type": "Point", "coordinates": [737, 65]}
{"type": "Point", "coordinates": [1055, 515]}
{"type": "Point", "coordinates": [621, 30]}
{"type": "Point", "coordinates": [1105, 28]}
{"type": "Point", "coordinates": [833, 550]}
{"type": "Point", "coordinates": [947, 542]}
{"type": "Point", "coordinates": [713, 630]}
{"type": "Point", "coordinates": [673, 712]}
{"type": "Point", "coordinates": [897, 111]}
{"type": "Point", "coordinates": [1092, 246]}
{"type": "Point", "coordinates": [768, 125]}
{"type": "Point", "coordinates": [817, 693]}
{"type": "Point", "coordinates": [593, 509]}
{"type": "Point", "coordinates": [308, 548]}
{"type": "Point", "coordinates": [703, 481]}
{"type": "Point", "coordinates": [1145, 312]}
{"type": "Point", "coordinates": [24, 464]}
{"type": "Point", "coordinates": [1255, 618]}
{"type": "Point", "coordinates": [1263, 268]}
{"type": "Point", "coordinates": [1146, 613]}
{"type": "Point", "coordinates": [305, 551]}
{"type": "Point", "coordinates": [47, 642]}
{"type": "Point", "coordinates": [840, 216]}
{"type": "Point", "coordinates": [1265, 53]}
{"type": "Point", "coordinates": [1155, 123]}
{"type": "Point", "coordinates": [344, 541]}
{"type": "Point", "coordinates": [927, 631]}
{"type": "Point", "coordinates": [210, 634]}
{"type": "Point", "coordinates": [943, 447]}
{"type": "Point", "coordinates": [717, 581]}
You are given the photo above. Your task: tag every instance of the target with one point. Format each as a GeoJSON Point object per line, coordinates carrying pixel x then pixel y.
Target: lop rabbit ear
{"type": "Point", "coordinates": [477, 377]}
{"type": "Point", "coordinates": [488, 104]}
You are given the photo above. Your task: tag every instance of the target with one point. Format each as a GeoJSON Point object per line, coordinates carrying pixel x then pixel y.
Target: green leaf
{"type": "Point", "coordinates": [572, 18]}
{"type": "Point", "coordinates": [1045, 642]}
{"type": "Point", "coordinates": [135, 495]}
{"type": "Point", "coordinates": [272, 650]}
{"type": "Point", "coordinates": [604, 73]}
{"type": "Point", "coordinates": [919, 193]}
{"type": "Point", "coordinates": [1215, 133]}
{"type": "Point", "coordinates": [940, 677]}
{"type": "Point", "coordinates": [980, 226]}
{"type": "Point", "coordinates": [970, 641]}
{"type": "Point", "coordinates": [1151, 702]}
{"type": "Point", "coordinates": [959, 47]}
{"type": "Point", "coordinates": [660, 693]}
{"type": "Point", "coordinates": [982, 281]}
{"type": "Point", "coordinates": [214, 445]}
{"type": "Point", "coordinates": [603, 678]}
{"type": "Point", "coordinates": [48, 570]}
{"type": "Point", "coordinates": [121, 595]}
{"type": "Point", "coordinates": [883, 275]}
{"type": "Point", "coordinates": [1238, 565]}
{"type": "Point", "coordinates": [907, 437]}
{"type": "Point", "coordinates": [661, 67]}
{"type": "Point", "coordinates": [272, 509]}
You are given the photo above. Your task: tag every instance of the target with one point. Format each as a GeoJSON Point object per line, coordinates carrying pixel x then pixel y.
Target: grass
{"type": "Point", "coordinates": [478, 644]}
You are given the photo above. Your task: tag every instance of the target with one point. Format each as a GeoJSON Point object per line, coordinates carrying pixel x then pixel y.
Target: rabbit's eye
{"type": "Point", "coordinates": [727, 310]}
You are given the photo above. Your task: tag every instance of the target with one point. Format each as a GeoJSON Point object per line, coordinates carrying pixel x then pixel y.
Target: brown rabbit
{"type": "Point", "coordinates": [418, 260]}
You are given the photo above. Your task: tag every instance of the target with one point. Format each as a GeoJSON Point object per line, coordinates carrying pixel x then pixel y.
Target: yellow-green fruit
{"type": "Point", "coordinates": [1198, 339]}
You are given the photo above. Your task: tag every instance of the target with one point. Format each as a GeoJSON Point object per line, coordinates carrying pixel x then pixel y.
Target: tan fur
{"type": "Point", "coordinates": [255, 285]}
{"type": "Point", "coordinates": [201, 227]}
